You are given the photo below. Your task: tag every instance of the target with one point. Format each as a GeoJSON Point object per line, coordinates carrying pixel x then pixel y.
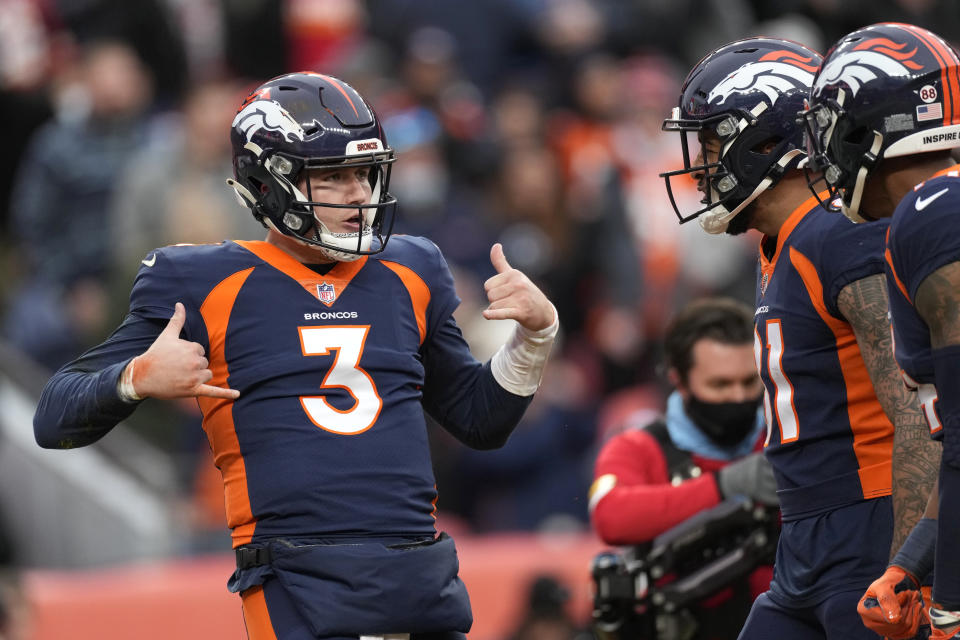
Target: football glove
{"type": "Point", "coordinates": [893, 605]}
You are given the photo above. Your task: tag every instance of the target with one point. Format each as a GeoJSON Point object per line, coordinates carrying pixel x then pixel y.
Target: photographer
{"type": "Point", "coordinates": [707, 448]}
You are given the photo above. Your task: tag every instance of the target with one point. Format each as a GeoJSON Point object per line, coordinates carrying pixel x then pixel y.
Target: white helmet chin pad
{"type": "Point", "coordinates": [716, 220]}
{"type": "Point", "coordinates": [345, 240]}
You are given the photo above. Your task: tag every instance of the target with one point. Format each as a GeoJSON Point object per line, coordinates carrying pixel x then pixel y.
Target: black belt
{"type": "Point", "coordinates": [250, 557]}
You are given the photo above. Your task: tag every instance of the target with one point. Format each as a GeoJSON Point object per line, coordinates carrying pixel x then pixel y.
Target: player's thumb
{"type": "Point", "coordinates": [498, 259]}
{"type": "Point", "coordinates": [890, 606]}
{"type": "Point", "coordinates": [176, 321]}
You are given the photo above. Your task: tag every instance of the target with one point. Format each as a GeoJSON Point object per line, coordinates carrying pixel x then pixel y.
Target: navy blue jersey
{"type": "Point", "coordinates": [328, 436]}
{"type": "Point", "coordinates": [820, 401]}
{"type": "Point", "coordinates": [828, 439]}
{"type": "Point", "coordinates": [924, 236]}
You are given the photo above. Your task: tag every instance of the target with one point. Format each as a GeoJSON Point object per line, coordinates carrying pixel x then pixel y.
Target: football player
{"type": "Point", "coordinates": [884, 114]}
{"type": "Point", "coordinates": [313, 355]}
{"type": "Point", "coordinates": [822, 340]}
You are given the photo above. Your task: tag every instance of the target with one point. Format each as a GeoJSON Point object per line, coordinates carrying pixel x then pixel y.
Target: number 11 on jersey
{"type": "Point", "coordinates": [782, 392]}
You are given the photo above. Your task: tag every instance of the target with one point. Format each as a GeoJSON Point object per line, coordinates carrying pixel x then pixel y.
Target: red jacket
{"type": "Point", "coordinates": [643, 503]}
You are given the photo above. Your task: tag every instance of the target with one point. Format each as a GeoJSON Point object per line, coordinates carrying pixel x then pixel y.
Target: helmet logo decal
{"type": "Point", "coordinates": [268, 115]}
{"type": "Point", "coordinates": [791, 57]}
{"type": "Point", "coordinates": [261, 94]}
{"type": "Point", "coordinates": [867, 61]}
{"type": "Point", "coordinates": [773, 78]}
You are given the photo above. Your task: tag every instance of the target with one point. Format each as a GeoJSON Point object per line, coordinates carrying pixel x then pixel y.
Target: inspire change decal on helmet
{"type": "Point", "coordinates": [774, 75]}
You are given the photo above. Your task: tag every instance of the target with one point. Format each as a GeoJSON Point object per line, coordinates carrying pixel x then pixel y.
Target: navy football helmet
{"type": "Point", "coordinates": [304, 121]}
{"type": "Point", "coordinates": [748, 94]}
{"type": "Point", "coordinates": [883, 91]}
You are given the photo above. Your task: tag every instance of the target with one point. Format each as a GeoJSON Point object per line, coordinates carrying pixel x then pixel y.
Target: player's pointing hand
{"type": "Point", "coordinates": [513, 296]}
{"type": "Point", "coordinates": [175, 368]}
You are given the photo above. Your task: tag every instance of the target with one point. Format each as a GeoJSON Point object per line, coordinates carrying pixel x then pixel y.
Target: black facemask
{"type": "Point", "coordinates": [726, 423]}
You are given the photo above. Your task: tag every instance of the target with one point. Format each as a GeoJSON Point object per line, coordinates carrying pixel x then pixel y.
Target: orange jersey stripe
{"type": "Point", "coordinates": [256, 616]}
{"type": "Point", "coordinates": [767, 266]}
{"type": "Point", "coordinates": [872, 430]}
{"type": "Point", "coordinates": [896, 278]}
{"type": "Point", "coordinates": [418, 290]}
{"type": "Point", "coordinates": [949, 171]}
{"type": "Point", "coordinates": [340, 276]}
{"type": "Point", "coordinates": [218, 413]}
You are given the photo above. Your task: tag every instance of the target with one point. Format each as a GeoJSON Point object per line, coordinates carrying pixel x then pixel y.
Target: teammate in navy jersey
{"type": "Point", "coordinates": [884, 114]}
{"type": "Point", "coordinates": [313, 355]}
{"type": "Point", "coordinates": [822, 340]}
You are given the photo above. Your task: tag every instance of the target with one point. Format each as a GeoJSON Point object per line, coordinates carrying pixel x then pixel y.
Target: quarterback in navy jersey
{"type": "Point", "coordinates": [822, 342]}
{"type": "Point", "coordinates": [884, 112]}
{"type": "Point", "coordinates": [313, 355]}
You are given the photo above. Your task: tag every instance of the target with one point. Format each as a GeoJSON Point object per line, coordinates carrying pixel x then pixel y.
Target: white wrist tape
{"type": "Point", "coordinates": [125, 384]}
{"type": "Point", "coordinates": [518, 365]}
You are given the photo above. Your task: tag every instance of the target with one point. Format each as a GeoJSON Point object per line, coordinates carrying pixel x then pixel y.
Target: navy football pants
{"type": "Point", "coordinates": [835, 618]}
{"type": "Point", "coordinates": [269, 614]}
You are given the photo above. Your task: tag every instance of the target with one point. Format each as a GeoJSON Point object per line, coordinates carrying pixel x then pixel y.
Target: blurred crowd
{"type": "Point", "coordinates": [535, 123]}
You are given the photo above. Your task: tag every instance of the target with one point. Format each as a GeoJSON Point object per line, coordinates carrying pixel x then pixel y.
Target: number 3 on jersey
{"type": "Point", "coordinates": [347, 342]}
{"type": "Point", "coordinates": [782, 392]}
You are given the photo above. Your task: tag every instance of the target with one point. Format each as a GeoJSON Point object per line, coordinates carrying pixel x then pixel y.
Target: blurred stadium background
{"type": "Point", "coordinates": [534, 123]}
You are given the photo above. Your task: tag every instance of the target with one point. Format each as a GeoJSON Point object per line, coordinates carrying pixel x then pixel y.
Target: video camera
{"type": "Point", "coordinates": [648, 592]}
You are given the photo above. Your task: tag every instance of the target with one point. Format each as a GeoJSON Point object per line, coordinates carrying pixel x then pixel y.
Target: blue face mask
{"type": "Point", "coordinates": [725, 423]}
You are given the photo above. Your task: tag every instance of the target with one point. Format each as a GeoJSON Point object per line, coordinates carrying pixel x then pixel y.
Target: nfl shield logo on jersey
{"type": "Point", "coordinates": [326, 292]}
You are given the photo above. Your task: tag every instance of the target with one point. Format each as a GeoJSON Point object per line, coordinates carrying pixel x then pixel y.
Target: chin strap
{"type": "Point", "coordinates": [718, 223]}
{"type": "Point", "coordinates": [853, 211]}
{"type": "Point", "coordinates": [243, 194]}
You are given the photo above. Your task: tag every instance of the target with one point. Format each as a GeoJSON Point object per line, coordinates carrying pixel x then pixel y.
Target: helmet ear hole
{"type": "Point", "coordinates": [766, 146]}
{"type": "Point", "coordinates": [263, 190]}
{"type": "Point", "coordinates": [857, 136]}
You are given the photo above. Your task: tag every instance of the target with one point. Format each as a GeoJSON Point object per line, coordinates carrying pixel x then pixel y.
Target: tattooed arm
{"type": "Point", "coordinates": [916, 458]}
{"type": "Point", "coordinates": [938, 303]}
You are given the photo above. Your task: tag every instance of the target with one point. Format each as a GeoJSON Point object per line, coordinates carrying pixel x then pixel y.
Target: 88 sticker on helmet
{"type": "Point", "coordinates": [884, 91]}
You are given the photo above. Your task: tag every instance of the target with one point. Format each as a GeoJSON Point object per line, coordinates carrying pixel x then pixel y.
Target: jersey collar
{"type": "Point", "coordinates": [339, 277]}
{"type": "Point", "coordinates": [768, 265]}
{"type": "Point", "coordinates": [955, 170]}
